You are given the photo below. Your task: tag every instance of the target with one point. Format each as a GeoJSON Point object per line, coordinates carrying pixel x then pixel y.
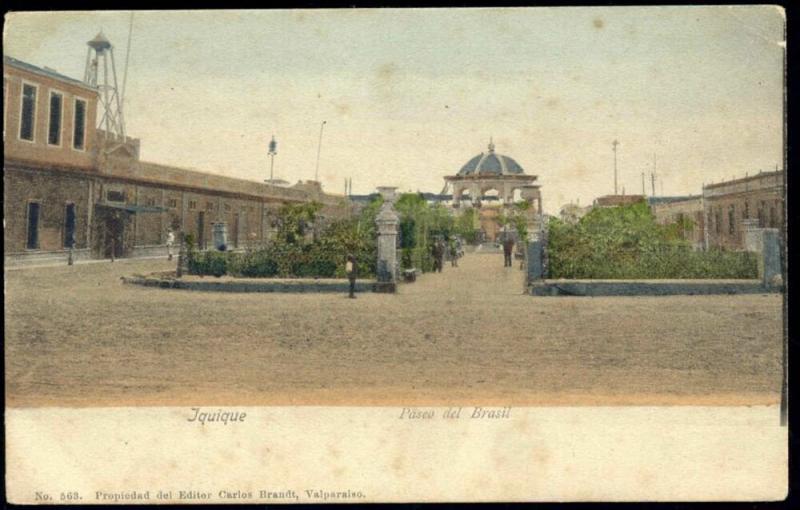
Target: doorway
{"type": "Point", "coordinates": [235, 233]}
{"type": "Point", "coordinates": [33, 226]}
{"type": "Point", "coordinates": [114, 234]}
{"type": "Point", "coordinates": [201, 230]}
{"type": "Point", "coordinates": [69, 226]}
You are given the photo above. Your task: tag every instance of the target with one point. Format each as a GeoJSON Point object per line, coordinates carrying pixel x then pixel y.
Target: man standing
{"type": "Point", "coordinates": [170, 242]}
{"type": "Point", "coordinates": [351, 271]}
{"type": "Point", "coordinates": [440, 254]}
{"type": "Point", "coordinates": [453, 252]}
{"type": "Point", "coordinates": [508, 247]}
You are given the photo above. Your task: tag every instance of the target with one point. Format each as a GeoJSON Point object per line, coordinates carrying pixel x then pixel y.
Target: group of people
{"type": "Point", "coordinates": [452, 248]}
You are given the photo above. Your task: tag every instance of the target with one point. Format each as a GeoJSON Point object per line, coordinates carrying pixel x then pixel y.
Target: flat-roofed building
{"type": "Point", "coordinates": [65, 180]}
{"type": "Point", "coordinates": [730, 207]}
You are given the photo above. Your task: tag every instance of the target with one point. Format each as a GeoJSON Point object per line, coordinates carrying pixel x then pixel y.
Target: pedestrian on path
{"type": "Point", "coordinates": [508, 247]}
{"type": "Point", "coordinates": [351, 271]}
{"type": "Point", "coordinates": [170, 242]}
{"type": "Point", "coordinates": [439, 255]}
{"type": "Point", "coordinates": [453, 252]}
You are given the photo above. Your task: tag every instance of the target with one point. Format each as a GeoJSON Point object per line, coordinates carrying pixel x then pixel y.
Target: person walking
{"type": "Point", "coordinates": [453, 252]}
{"type": "Point", "coordinates": [170, 242]}
{"type": "Point", "coordinates": [351, 271]}
{"type": "Point", "coordinates": [508, 247]}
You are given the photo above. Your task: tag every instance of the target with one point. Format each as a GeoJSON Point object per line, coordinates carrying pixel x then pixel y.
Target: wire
{"type": "Point", "coordinates": [127, 59]}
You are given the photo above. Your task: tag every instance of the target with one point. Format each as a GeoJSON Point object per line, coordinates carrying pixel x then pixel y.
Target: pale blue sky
{"type": "Point", "coordinates": [410, 95]}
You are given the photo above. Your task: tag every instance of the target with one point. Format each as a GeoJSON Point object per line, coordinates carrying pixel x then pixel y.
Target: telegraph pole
{"type": "Point", "coordinates": [273, 150]}
{"type": "Point", "coordinates": [643, 193]}
{"type": "Point", "coordinates": [653, 176]}
{"type": "Point", "coordinates": [319, 149]}
{"type": "Point", "coordinates": [614, 148]}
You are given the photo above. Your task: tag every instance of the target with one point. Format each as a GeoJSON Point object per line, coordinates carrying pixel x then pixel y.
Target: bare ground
{"type": "Point", "coordinates": [76, 336]}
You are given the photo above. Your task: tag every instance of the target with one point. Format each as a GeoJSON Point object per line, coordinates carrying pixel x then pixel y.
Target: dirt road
{"type": "Point", "coordinates": [76, 336]}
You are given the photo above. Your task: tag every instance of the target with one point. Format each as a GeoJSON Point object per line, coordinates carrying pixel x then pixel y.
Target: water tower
{"type": "Point", "coordinates": [99, 74]}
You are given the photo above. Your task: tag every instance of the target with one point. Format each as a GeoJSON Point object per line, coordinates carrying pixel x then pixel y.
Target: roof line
{"type": "Point", "coordinates": [25, 66]}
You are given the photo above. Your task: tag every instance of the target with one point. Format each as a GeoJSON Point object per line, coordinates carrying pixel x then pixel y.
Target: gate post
{"type": "Point", "coordinates": [770, 258]}
{"type": "Point", "coordinates": [386, 222]}
{"type": "Point", "coordinates": [182, 262]}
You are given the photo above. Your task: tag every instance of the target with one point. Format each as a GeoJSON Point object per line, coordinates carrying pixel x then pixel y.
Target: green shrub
{"type": "Point", "coordinates": [626, 243]}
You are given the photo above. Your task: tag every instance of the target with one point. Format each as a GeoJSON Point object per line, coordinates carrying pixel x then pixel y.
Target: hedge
{"type": "Point", "coordinates": [626, 243]}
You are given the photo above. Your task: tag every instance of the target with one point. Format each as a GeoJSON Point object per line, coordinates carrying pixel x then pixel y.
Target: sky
{"type": "Point", "coordinates": [410, 95]}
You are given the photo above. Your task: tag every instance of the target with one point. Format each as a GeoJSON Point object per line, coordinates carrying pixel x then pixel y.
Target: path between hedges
{"type": "Point", "coordinates": [477, 275]}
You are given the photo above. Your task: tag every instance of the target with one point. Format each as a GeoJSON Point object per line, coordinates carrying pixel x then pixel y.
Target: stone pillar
{"type": "Point", "coordinates": [770, 266]}
{"type": "Point", "coordinates": [752, 235]}
{"type": "Point", "coordinates": [535, 261]}
{"type": "Point", "coordinates": [387, 222]}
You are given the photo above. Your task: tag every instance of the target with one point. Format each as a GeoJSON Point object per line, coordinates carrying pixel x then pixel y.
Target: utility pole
{"type": "Point", "coordinates": [319, 149]}
{"type": "Point", "coordinates": [643, 193]}
{"type": "Point", "coordinates": [614, 148]}
{"type": "Point", "coordinates": [653, 176]}
{"type": "Point", "coordinates": [273, 150]}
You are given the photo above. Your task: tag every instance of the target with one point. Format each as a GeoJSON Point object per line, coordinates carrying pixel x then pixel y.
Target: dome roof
{"type": "Point", "coordinates": [491, 163]}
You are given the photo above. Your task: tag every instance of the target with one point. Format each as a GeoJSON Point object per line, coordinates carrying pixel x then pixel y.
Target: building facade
{"type": "Point", "coordinates": [731, 207]}
{"type": "Point", "coordinates": [67, 183]}
{"type": "Point", "coordinates": [686, 212]}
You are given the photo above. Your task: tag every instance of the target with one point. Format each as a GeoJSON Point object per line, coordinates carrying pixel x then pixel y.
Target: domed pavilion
{"type": "Point", "coordinates": [491, 171]}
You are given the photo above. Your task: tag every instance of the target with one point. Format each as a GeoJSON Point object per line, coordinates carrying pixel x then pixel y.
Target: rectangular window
{"type": "Point", "coordinates": [731, 220]}
{"type": "Point", "coordinates": [115, 196]}
{"type": "Point", "coordinates": [773, 218]}
{"type": "Point", "coordinates": [79, 125]}
{"type": "Point", "coordinates": [69, 226]}
{"type": "Point", "coordinates": [192, 204]}
{"type": "Point", "coordinates": [173, 203]}
{"type": "Point", "coordinates": [27, 119]}
{"type": "Point", "coordinates": [150, 202]}
{"type": "Point", "coordinates": [718, 221]}
{"type": "Point", "coordinates": [33, 226]}
{"type": "Point", "coordinates": [227, 207]}
{"type": "Point", "coordinates": [209, 206]}
{"type": "Point", "coordinates": [54, 129]}
{"type": "Point", "coordinates": [746, 211]}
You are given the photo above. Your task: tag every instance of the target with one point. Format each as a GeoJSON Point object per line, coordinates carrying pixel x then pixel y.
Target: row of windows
{"type": "Point", "coordinates": [119, 196]}
{"type": "Point", "coordinates": [767, 217]}
{"type": "Point", "coordinates": [34, 217]}
{"type": "Point", "coordinates": [55, 116]}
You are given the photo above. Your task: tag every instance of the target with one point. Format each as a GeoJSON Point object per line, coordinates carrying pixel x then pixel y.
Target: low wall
{"type": "Point", "coordinates": [647, 287]}
{"type": "Point", "coordinates": [223, 284]}
{"type": "Point", "coordinates": [35, 258]}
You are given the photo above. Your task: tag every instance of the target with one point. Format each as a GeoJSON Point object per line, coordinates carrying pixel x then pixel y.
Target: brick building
{"type": "Point", "coordinates": [65, 180]}
{"type": "Point", "coordinates": [731, 205]}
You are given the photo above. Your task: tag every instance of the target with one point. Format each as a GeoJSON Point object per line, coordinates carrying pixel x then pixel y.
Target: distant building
{"type": "Point", "coordinates": [493, 182]}
{"type": "Point", "coordinates": [731, 206]}
{"type": "Point", "coordinates": [572, 213]}
{"type": "Point", "coordinates": [687, 211]}
{"type": "Point", "coordinates": [615, 200]}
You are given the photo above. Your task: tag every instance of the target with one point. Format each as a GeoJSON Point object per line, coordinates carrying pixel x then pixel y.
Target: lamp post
{"type": "Point", "coordinates": [319, 149]}
{"type": "Point", "coordinates": [273, 150]}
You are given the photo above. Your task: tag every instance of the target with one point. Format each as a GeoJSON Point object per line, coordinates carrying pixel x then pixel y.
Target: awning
{"type": "Point", "coordinates": [133, 209]}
